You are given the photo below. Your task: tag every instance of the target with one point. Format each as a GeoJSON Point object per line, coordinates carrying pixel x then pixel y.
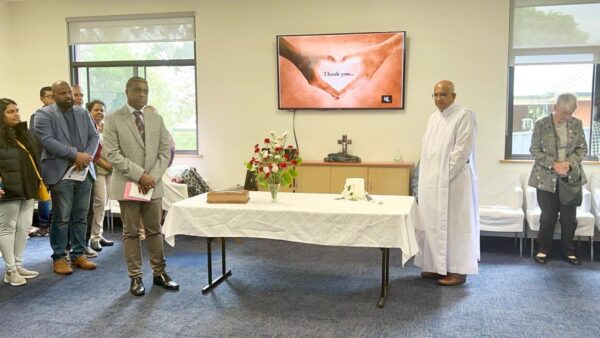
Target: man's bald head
{"type": "Point", "coordinates": [443, 94]}
{"type": "Point", "coordinates": [63, 95]}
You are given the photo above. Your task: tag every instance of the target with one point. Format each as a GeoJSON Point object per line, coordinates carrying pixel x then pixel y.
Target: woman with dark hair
{"type": "Point", "coordinates": [102, 184]}
{"type": "Point", "coordinates": [19, 173]}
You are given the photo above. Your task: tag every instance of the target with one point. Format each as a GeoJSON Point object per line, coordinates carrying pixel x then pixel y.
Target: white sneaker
{"type": "Point", "coordinates": [27, 273]}
{"type": "Point", "coordinates": [89, 252]}
{"type": "Point", "coordinates": [13, 278]}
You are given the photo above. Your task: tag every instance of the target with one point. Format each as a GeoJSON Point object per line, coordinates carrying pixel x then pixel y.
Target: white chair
{"type": "Point", "coordinates": [173, 191]}
{"type": "Point", "coordinates": [585, 219]}
{"type": "Point", "coordinates": [594, 182]}
{"type": "Point", "coordinates": [501, 206]}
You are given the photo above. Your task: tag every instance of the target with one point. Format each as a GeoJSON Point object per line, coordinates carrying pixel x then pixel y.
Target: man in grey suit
{"type": "Point", "coordinates": [69, 139]}
{"type": "Point", "coordinates": [137, 143]}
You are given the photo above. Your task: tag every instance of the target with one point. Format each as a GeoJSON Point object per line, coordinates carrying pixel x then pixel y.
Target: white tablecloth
{"type": "Point", "coordinates": [385, 222]}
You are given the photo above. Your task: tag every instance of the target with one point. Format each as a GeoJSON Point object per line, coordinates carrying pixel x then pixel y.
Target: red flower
{"type": "Point", "coordinates": [267, 141]}
{"type": "Point", "coordinates": [256, 150]}
{"type": "Point", "coordinates": [267, 174]}
{"type": "Point", "coordinates": [287, 157]}
{"type": "Point", "coordinates": [290, 146]}
{"type": "Point", "coordinates": [283, 165]}
{"type": "Point", "coordinates": [294, 162]}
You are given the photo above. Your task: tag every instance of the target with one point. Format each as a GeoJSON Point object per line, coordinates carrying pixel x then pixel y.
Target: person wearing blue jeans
{"type": "Point", "coordinates": [70, 141]}
{"type": "Point", "coordinates": [44, 208]}
{"type": "Point", "coordinates": [44, 218]}
{"type": "Point", "coordinates": [71, 201]}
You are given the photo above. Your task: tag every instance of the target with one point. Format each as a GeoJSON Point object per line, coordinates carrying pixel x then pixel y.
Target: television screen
{"type": "Point", "coordinates": [341, 71]}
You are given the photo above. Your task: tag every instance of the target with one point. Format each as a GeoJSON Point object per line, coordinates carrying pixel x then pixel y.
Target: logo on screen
{"type": "Point", "coordinates": [386, 98]}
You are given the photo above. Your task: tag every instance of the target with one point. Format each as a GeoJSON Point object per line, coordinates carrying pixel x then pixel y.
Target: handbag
{"type": "Point", "coordinates": [570, 193]}
{"type": "Point", "coordinates": [42, 193]}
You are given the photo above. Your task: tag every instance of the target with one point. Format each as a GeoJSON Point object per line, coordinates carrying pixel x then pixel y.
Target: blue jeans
{"type": "Point", "coordinates": [44, 214]}
{"type": "Point", "coordinates": [70, 204]}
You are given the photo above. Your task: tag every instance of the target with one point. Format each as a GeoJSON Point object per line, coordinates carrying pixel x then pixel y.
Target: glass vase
{"type": "Point", "coordinates": [274, 189]}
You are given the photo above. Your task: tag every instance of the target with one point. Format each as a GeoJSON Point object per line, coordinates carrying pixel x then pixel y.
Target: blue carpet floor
{"type": "Point", "coordinates": [296, 290]}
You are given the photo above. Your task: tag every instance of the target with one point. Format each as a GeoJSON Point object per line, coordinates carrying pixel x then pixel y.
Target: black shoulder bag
{"type": "Point", "coordinates": [569, 191]}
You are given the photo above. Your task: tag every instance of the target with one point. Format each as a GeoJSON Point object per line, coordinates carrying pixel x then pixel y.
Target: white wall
{"type": "Point", "coordinates": [5, 47]}
{"type": "Point", "coordinates": [464, 40]}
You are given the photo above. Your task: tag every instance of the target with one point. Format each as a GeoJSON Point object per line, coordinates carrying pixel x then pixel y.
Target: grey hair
{"type": "Point", "coordinates": [568, 100]}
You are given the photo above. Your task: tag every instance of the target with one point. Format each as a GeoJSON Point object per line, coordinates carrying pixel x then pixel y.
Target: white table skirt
{"type": "Point", "coordinates": [386, 222]}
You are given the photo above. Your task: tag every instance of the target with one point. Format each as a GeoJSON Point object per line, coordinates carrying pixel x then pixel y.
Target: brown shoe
{"type": "Point", "coordinates": [62, 267]}
{"type": "Point", "coordinates": [431, 275]}
{"type": "Point", "coordinates": [83, 263]}
{"type": "Point", "coordinates": [452, 279]}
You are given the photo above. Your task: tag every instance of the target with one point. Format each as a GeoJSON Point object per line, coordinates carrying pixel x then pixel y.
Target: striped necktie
{"type": "Point", "coordinates": [139, 123]}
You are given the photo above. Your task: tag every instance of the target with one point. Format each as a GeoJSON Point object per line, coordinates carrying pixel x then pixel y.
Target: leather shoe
{"type": "Point", "coordinates": [83, 263]}
{"type": "Point", "coordinates": [106, 242]}
{"type": "Point", "coordinates": [163, 280]}
{"type": "Point", "coordinates": [540, 259]}
{"type": "Point", "coordinates": [431, 275]}
{"type": "Point", "coordinates": [96, 245]}
{"type": "Point", "coordinates": [573, 260]}
{"type": "Point", "coordinates": [452, 279]}
{"type": "Point", "coordinates": [137, 287]}
{"type": "Point", "coordinates": [62, 267]}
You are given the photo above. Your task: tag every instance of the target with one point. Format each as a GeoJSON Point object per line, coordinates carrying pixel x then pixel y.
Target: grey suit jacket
{"type": "Point", "coordinates": [130, 155]}
{"type": "Point", "coordinates": [544, 151]}
{"type": "Point", "coordinates": [53, 133]}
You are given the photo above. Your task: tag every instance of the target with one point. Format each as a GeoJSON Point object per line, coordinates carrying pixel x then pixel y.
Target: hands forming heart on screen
{"type": "Point", "coordinates": [339, 76]}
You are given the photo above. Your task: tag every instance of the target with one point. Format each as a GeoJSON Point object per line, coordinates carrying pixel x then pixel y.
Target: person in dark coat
{"type": "Point", "coordinates": [18, 188]}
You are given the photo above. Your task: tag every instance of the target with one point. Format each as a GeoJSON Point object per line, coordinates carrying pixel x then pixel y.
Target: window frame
{"type": "Point", "coordinates": [138, 65]}
{"type": "Point", "coordinates": [532, 51]}
{"type": "Point", "coordinates": [508, 155]}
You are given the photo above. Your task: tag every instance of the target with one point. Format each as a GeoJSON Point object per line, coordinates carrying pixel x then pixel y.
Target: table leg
{"type": "Point", "coordinates": [224, 274]}
{"type": "Point", "coordinates": [385, 275]}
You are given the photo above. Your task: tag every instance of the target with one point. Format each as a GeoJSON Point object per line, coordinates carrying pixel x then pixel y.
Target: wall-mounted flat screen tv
{"type": "Point", "coordinates": [341, 71]}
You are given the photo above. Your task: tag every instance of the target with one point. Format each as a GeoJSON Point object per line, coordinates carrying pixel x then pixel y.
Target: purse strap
{"type": "Point", "coordinates": [31, 159]}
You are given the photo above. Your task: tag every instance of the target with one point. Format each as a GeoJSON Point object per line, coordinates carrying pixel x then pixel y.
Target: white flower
{"type": "Point", "coordinates": [266, 170]}
{"type": "Point", "coordinates": [284, 135]}
{"type": "Point", "coordinates": [265, 154]}
{"type": "Point", "coordinates": [272, 133]}
{"type": "Point", "coordinates": [274, 168]}
{"type": "Point", "coordinates": [277, 157]}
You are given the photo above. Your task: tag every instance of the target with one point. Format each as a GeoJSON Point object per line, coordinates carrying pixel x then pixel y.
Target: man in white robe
{"type": "Point", "coordinates": [449, 236]}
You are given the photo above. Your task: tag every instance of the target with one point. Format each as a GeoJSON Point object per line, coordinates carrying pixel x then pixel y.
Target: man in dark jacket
{"type": "Point", "coordinates": [44, 210]}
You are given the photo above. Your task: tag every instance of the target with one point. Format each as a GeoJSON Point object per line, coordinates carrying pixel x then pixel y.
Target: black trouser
{"type": "Point", "coordinates": [551, 208]}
